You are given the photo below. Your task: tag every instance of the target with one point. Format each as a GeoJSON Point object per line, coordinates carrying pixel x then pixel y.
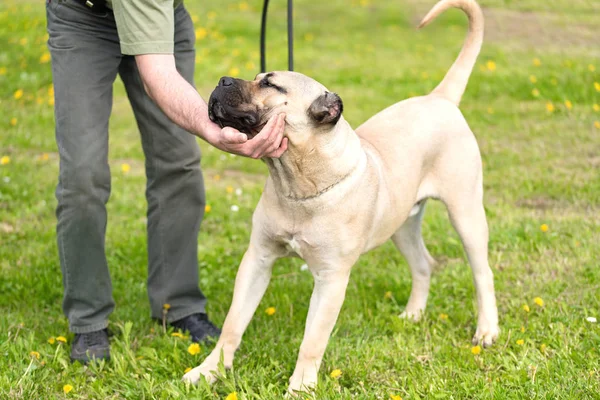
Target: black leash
{"type": "Point", "coordinates": [263, 30]}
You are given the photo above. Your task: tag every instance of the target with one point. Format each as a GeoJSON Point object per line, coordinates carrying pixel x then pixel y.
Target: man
{"type": "Point", "coordinates": [150, 44]}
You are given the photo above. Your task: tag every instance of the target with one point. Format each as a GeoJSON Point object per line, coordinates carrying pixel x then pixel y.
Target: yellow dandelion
{"type": "Point", "coordinates": [549, 107]}
{"type": "Point", "coordinates": [443, 316]}
{"type": "Point", "coordinates": [596, 107]}
{"type": "Point", "coordinates": [232, 396]}
{"type": "Point", "coordinates": [597, 86]}
{"type": "Point", "coordinates": [39, 100]}
{"type": "Point", "coordinates": [229, 189]}
{"type": "Point", "coordinates": [364, 3]}
{"type": "Point", "coordinates": [34, 354]}
{"type": "Point", "coordinates": [67, 388]}
{"type": "Point", "coordinates": [61, 339]}
{"type": "Point", "coordinates": [309, 37]}
{"type": "Point", "coordinates": [520, 342]}
{"type": "Point", "coordinates": [201, 33]}
{"type": "Point", "coordinates": [178, 334]}
{"type": "Point", "coordinates": [194, 349]}
{"type": "Point", "coordinates": [597, 124]}
{"type": "Point", "coordinates": [188, 369]}
{"type": "Point", "coordinates": [51, 91]}
{"type": "Point", "coordinates": [18, 94]}
{"type": "Point", "coordinates": [44, 157]}
{"type": "Point", "coordinates": [4, 160]}
{"type": "Point", "coordinates": [270, 311]}
{"type": "Point", "coordinates": [45, 58]}
{"type": "Point", "coordinates": [217, 178]}
{"type": "Point", "coordinates": [544, 228]}
{"type": "Point", "coordinates": [476, 350]}
{"type": "Point", "coordinates": [234, 71]}
{"type": "Point", "coordinates": [207, 208]}
{"type": "Point", "coordinates": [522, 329]}
{"type": "Point", "coordinates": [211, 15]}
{"type": "Point", "coordinates": [250, 65]}
{"type": "Point", "coordinates": [539, 301]}
{"type": "Point", "coordinates": [235, 52]}
{"type": "Point", "coordinates": [336, 373]}
{"type": "Point", "coordinates": [543, 347]}
{"type": "Point", "coordinates": [526, 308]}
{"type": "Point", "coordinates": [395, 397]}
{"type": "Point", "coordinates": [125, 168]}
{"type": "Point", "coordinates": [537, 62]}
{"type": "Point", "coordinates": [490, 110]}
{"type": "Point", "coordinates": [2, 70]}
{"type": "Point", "coordinates": [51, 340]}
{"type": "Point", "coordinates": [13, 121]}
{"type": "Point", "coordinates": [535, 92]}
{"type": "Point", "coordinates": [243, 6]}
{"type": "Point", "coordinates": [23, 41]}
{"type": "Point", "coordinates": [51, 101]}
{"type": "Point", "coordinates": [532, 79]}
{"type": "Point", "coordinates": [491, 65]}
{"type": "Point", "coordinates": [387, 295]}
{"type": "Point", "coordinates": [166, 306]}
{"type": "Point", "coordinates": [591, 67]}
{"type": "Point", "coordinates": [568, 104]}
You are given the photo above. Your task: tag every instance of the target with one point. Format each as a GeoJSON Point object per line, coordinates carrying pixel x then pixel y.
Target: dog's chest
{"type": "Point", "coordinates": [293, 246]}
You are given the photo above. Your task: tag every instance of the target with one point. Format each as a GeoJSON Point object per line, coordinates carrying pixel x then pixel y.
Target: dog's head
{"type": "Point", "coordinates": [248, 105]}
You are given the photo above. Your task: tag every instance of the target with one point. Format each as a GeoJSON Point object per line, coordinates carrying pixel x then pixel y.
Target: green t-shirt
{"type": "Point", "coordinates": [145, 26]}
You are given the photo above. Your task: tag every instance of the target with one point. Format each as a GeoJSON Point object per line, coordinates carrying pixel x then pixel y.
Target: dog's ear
{"type": "Point", "coordinates": [326, 109]}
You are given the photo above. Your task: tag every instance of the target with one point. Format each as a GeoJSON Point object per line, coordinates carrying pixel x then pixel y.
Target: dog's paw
{"type": "Point", "coordinates": [194, 375]}
{"type": "Point", "coordinates": [486, 335]}
{"type": "Point", "coordinates": [412, 315]}
{"type": "Point", "coordinates": [304, 383]}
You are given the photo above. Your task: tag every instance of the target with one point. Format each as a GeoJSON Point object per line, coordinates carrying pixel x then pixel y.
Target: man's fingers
{"type": "Point", "coordinates": [280, 150]}
{"type": "Point", "coordinates": [273, 135]}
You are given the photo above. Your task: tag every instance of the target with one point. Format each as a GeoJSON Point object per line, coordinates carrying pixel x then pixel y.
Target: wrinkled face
{"type": "Point", "coordinates": [248, 105]}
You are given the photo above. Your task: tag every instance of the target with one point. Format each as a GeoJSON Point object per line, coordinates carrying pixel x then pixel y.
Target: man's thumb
{"type": "Point", "coordinates": [234, 136]}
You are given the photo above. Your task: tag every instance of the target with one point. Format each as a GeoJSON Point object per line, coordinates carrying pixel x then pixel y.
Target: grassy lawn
{"type": "Point", "coordinates": [533, 103]}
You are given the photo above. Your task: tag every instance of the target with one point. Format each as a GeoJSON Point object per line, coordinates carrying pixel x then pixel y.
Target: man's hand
{"type": "Point", "coordinates": [269, 142]}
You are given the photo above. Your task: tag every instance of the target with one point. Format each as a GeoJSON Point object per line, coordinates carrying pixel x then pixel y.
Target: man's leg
{"type": "Point", "coordinates": [85, 57]}
{"type": "Point", "coordinates": [175, 188]}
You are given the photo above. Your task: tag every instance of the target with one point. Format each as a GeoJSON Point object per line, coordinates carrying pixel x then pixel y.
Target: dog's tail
{"type": "Point", "coordinates": [454, 83]}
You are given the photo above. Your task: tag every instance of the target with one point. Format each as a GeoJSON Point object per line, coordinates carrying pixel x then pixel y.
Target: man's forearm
{"type": "Point", "coordinates": [184, 106]}
{"type": "Point", "coordinates": [174, 95]}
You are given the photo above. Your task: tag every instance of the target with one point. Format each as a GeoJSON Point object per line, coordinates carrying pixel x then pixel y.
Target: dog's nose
{"type": "Point", "coordinates": [226, 81]}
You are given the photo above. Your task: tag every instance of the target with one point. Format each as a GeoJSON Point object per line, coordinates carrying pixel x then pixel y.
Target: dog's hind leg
{"type": "Point", "coordinates": [409, 241]}
{"type": "Point", "coordinates": [467, 215]}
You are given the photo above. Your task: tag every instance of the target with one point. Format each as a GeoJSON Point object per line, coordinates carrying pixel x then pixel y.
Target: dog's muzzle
{"type": "Point", "coordinates": [229, 106]}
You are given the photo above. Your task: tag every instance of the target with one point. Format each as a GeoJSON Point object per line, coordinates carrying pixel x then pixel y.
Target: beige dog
{"type": "Point", "coordinates": [336, 194]}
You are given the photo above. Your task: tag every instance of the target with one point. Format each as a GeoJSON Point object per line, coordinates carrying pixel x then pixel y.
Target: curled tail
{"type": "Point", "coordinates": [454, 83]}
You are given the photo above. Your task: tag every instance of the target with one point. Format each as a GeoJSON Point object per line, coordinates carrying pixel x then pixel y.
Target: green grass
{"type": "Point", "coordinates": [539, 167]}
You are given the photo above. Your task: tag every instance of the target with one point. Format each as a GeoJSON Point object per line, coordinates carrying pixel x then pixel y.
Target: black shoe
{"type": "Point", "coordinates": [90, 346]}
{"type": "Point", "coordinates": [199, 326]}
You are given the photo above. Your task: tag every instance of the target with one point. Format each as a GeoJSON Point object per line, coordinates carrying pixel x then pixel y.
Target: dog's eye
{"type": "Point", "coordinates": [266, 83]}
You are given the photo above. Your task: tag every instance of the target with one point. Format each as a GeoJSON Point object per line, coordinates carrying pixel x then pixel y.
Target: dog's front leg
{"type": "Point", "coordinates": [251, 283]}
{"type": "Point", "coordinates": [325, 304]}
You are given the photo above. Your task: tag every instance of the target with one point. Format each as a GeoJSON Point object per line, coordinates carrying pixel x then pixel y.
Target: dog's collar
{"type": "Point", "coordinates": [325, 190]}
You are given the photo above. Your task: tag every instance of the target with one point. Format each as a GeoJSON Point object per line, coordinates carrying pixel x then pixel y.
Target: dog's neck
{"type": "Point", "coordinates": [312, 167]}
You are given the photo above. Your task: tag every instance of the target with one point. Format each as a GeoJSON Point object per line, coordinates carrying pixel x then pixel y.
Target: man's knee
{"type": "Point", "coordinates": [83, 185]}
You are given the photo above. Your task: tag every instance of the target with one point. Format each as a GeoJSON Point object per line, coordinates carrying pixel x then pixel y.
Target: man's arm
{"type": "Point", "coordinates": [184, 106]}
